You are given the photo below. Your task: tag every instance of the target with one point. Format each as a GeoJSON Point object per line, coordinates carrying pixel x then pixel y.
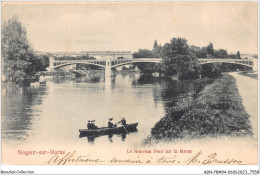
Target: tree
{"type": "Point", "coordinates": [208, 52]}
{"type": "Point", "coordinates": [17, 54]}
{"type": "Point", "coordinates": [156, 50]}
{"type": "Point", "coordinates": [155, 45]}
{"type": "Point", "coordinates": [145, 67]}
{"type": "Point", "coordinates": [143, 53]}
{"type": "Point", "coordinates": [199, 52]}
{"type": "Point", "coordinates": [238, 55]}
{"type": "Point", "coordinates": [41, 62]}
{"type": "Point", "coordinates": [177, 46]}
{"type": "Point", "coordinates": [202, 53]}
{"type": "Point", "coordinates": [177, 59]}
{"type": "Point", "coordinates": [188, 68]}
{"type": "Point", "coordinates": [211, 70]}
{"type": "Point", "coordinates": [210, 49]}
{"type": "Point", "coordinates": [221, 53]}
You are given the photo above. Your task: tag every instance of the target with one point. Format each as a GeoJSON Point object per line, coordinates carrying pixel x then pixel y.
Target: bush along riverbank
{"type": "Point", "coordinates": [216, 111]}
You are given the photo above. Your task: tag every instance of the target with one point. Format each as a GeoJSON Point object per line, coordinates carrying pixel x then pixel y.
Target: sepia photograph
{"type": "Point", "coordinates": [129, 83]}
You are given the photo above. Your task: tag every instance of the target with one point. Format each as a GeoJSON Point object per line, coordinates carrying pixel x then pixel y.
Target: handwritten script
{"type": "Point", "coordinates": [197, 158]}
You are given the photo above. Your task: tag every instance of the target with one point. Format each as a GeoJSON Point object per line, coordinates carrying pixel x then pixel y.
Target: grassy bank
{"type": "Point", "coordinates": [216, 111]}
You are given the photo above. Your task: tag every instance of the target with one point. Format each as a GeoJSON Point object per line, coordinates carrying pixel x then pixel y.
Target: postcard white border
{"type": "Point", "coordinates": [131, 169]}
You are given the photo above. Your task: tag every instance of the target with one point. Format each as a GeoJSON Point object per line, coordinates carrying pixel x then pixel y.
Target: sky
{"type": "Point", "coordinates": [129, 26]}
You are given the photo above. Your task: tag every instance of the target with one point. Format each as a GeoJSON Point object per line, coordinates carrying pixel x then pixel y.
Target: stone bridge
{"type": "Point", "coordinates": [112, 59]}
{"type": "Point", "coordinates": [107, 64]}
{"type": "Point", "coordinates": [250, 62]}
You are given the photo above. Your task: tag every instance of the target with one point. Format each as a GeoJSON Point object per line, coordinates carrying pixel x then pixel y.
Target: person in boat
{"type": "Point", "coordinates": [123, 121]}
{"type": "Point", "coordinates": [93, 126]}
{"type": "Point", "coordinates": [89, 125]}
{"type": "Point", "coordinates": [110, 124]}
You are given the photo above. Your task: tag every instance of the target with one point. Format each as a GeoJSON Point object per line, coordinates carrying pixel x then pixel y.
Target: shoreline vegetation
{"type": "Point", "coordinates": [22, 65]}
{"type": "Point", "coordinates": [217, 110]}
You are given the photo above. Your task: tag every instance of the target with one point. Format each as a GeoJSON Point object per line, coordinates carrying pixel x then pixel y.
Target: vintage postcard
{"type": "Point", "coordinates": [129, 83]}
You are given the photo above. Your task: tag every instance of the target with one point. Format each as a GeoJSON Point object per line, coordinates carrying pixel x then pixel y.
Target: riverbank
{"type": "Point", "coordinates": [55, 74]}
{"type": "Point", "coordinates": [250, 74]}
{"type": "Point", "coordinates": [216, 111]}
{"type": "Point", "coordinates": [248, 89]}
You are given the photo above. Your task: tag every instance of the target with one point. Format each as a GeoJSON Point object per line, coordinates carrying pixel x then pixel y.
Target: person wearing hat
{"type": "Point", "coordinates": [89, 125]}
{"type": "Point", "coordinates": [123, 121]}
{"type": "Point", "coordinates": [110, 124]}
{"type": "Point", "coordinates": [93, 125]}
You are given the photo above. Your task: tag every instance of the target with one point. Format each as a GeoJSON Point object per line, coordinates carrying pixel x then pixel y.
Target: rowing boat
{"type": "Point", "coordinates": [105, 130]}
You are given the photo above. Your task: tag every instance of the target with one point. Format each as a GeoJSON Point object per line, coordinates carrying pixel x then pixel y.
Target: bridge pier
{"type": "Point", "coordinates": [108, 71]}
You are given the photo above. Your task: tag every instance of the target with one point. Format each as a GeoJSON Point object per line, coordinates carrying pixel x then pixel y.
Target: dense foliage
{"type": "Point", "coordinates": [181, 59]}
{"type": "Point", "coordinates": [216, 111]}
{"type": "Point", "coordinates": [143, 53]}
{"type": "Point", "coordinates": [41, 62]}
{"type": "Point", "coordinates": [19, 62]}
{"type": "Point", "coordinates": [210, 52]}
{"type": "Point", "coordinates": [178, 60]}
{"type": "Point", "coordinates": [211, 70]}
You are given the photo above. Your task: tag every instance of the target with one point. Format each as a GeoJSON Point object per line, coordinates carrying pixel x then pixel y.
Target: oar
{"type": "Point", "coordinates": [125, 128]}
{"type": "Point", "coordinates": [118, 122]}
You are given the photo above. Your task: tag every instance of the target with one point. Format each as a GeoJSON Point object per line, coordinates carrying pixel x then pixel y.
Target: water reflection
{"type": "Point", "coordinates": [20, 109]}
{"type": "Point", "coordinates": [123, 136]}
{"type": "Point", "coordinates": [54, 111]}
{"type": "Point", "coordinates": [168, 91]}
{"type": "Point", "coordinates": [91, 139]}
{"type": "Point", "coordinates": [89, 79]}
{"type": "Point", "coordinates": [110, 138]}
{"type": "Point", "coordinates": [173, 92]}
{"type": "Point", "coordinates": [108, 84]}
{"type": "Point", "coordinates": [145, 79]}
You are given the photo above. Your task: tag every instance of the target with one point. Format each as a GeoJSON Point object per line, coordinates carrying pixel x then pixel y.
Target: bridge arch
{"type": "Point", "coordinates": [67, 64]}
{"type": "Point", "coordinates": [212, 62]}
{"type": "Point", "coordinates": [131, 62]}
{"type": "Point", "coordinates": [121, 64]}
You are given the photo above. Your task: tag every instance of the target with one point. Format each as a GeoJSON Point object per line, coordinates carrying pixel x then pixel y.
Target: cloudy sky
{"type": "Point", "coordinates": [81, 26]}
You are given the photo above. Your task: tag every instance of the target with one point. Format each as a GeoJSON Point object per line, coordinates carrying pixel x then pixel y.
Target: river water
{"type": "Point", "coordinates": [53, 112]}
